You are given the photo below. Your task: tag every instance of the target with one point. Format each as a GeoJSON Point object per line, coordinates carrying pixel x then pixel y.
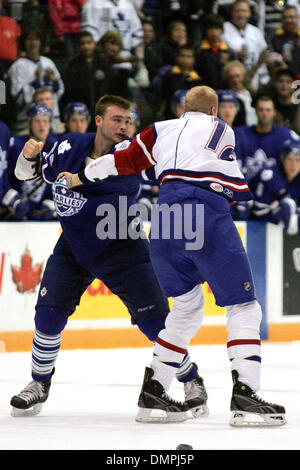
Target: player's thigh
{"type": "Point", "coordinates": [64, 280]}
{"type": "Point", "coordinates": [224, 262]}
{"type": "Point", "coordinates": [126, 270]}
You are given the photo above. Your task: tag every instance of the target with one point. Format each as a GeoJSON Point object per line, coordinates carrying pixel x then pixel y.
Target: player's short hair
{"type": "Point", "coordinates": [201, 99]}
{"type": "Point", "coordinates": [110, 100]}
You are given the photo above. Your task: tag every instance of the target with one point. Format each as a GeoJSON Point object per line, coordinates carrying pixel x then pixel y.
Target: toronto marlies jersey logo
{"type": "Point", "coordinates": [67, 202]}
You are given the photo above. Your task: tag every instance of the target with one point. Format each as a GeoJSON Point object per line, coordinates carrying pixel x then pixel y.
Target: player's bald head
{"type": "Point", "coordinates": [202, 99]}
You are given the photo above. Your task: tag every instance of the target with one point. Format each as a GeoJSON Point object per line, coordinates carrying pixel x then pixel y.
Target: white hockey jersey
{"type": "Point", "coordinates": [196, 149]}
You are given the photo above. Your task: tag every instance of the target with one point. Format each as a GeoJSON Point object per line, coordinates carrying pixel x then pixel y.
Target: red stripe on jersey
{"type": "Point", "coordinates": [135, 158]}
{"type": "Point", "coordinates": [204, 175]}
{"type": "Point", "coordinates": [237, 342]}
{"type": "Point", "coordinates": [167, 345]}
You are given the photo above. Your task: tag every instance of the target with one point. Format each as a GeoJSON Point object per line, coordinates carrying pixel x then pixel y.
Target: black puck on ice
{"type": "Point", "coordinates": [184, 447]}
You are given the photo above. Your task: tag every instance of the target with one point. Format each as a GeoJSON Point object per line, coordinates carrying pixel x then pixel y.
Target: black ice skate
{"type": "Point", "coordinates": [196, 397]}
{"type": "Point", "coordinates": [29, 401]}
{"type": "Point", "coordinates": [244, 401]}
{"type": "Point", "coordinates": [155, 405]}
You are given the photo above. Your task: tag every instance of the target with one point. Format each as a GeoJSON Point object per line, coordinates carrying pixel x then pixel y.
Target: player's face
{"type": "Point", "coordinates": [265, 112]}
{"type": "Point", "coordinates": [45, 98]}
{"type": "Point", "coordinates": [227, 112]}
{"type": "Point", "coordinates": [40, 127]}
{"type": "Point", "coordinates": [77, 123]}
{"type": "Point", "coordinates": [291, 165]}
{"type": "Point", "coordinates": [114, 124]}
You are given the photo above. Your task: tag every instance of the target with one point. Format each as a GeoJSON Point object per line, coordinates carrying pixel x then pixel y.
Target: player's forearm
{"type": "Point", "coordinates": [98, 170]}
{"type": "Point", "coordinates": [25, 169]}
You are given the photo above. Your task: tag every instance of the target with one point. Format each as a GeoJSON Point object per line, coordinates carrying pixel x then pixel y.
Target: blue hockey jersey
{"type": "Point", "coordinates": [268, 186]}
{"type": "Point", "coordinates": [255, 150]}
{"type": "Point", "coordinates": [82, 212]}
{"type": "Point", "coordinates": [4, 142]}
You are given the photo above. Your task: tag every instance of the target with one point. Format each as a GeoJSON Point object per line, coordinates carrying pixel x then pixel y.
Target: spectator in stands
{"type": "Point", "coordinates": [66, 19]}
{"type": "Point", "coordinates": [29, 73]}
{"type": "Point", "coordinates": [213, 53]}
{"type": "Point", "coordinates": [175, 38]}
{"type": "Point", "coordinates": [87, 74]}
{"type": "Point", "coordinates": [247, 41]}
{"type": "Point", "coordinates": [235, 78]}
{"type": "Point", "coordinates": [110, 47]}
{"type": "Point", "coordinates": [224, 9]}
{"type": "Point", "coordinates": [286, 40]}
{"type": "Point", "coordinates": [261, 145]}
{"type": "Point", "coordinates": [77, 117]}
{"type": "Point", "coordinates": [277, 190]}
{"type": "Point", "coordinates": [152, 50]}
{"type": "Point", "coordinates": [270, 14]}
{"type": "Point", "coordinates": [178, 103]}
{"type": "Point", "coordinates": [35, 16]}
{"type": "Point", "coordinates": [181, 76]}
{"type": "Point", "coordinates": [45, 95]}
{"type": "Point", "coordinates": [135, 121]}
{"type": "Point", "coordinates": [283, 95]}
{"type": "Point", "coordinates": [10, 31]}
{"type": "Point", "coordinates": [30, 200]}
{"type": "Point", "coordinates": [100, 16]}
{"type": "Point", "coordinates": [228, 107]}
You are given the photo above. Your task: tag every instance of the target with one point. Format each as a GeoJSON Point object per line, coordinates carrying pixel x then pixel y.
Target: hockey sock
{"type": "Point", "coordinates": [169, 352]}
{"type": "Point", "coordinates": [45, 350]}
{"type": "Point", "coordinates": [243, 344]}
{"type": "Point", "coordinates": [187, 370]}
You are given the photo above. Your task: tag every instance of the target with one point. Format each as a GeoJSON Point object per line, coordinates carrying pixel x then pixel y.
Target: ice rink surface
{"type": "Point", "coordinates": [93, 403]}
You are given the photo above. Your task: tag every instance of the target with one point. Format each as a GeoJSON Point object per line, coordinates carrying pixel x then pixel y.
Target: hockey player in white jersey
{"type": "Point", "coordinates": [194, 162]}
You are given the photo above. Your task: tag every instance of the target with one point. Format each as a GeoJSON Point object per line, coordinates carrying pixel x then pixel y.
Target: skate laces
{"type": "Point", "coordinates": [33, 391]}
{"type": "Point", "coordinates": [193, 388]}
{"type": "Point", "coordinates": [170, 399]}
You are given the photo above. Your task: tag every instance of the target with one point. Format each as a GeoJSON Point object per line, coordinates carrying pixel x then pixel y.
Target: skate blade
{"type": "Point", "coordinates": [201, 411]}
{"type": "Point", "coordinates": [238, 418]}
{"type": "Point", "coordinates": [148, 415]}
{"type": "Point", "coordinates": [34, 410]}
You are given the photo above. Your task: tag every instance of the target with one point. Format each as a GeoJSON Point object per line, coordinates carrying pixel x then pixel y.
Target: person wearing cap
{"type": "Point", "coordinates": [178, 103]}
{"type": "Point", "coordinates": [228, 106]}
{"type": "Point", "coordinates": [277, 190]}
{"type": "Point", "coordinates": [30, 200]}
{"type": "Point", "coordinates": [77, 117]}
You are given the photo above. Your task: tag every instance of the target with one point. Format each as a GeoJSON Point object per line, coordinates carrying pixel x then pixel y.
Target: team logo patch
{"type": "Point", "coordinates": [216, 187]}
{"type": "Point", "coordinates": [67, 202]}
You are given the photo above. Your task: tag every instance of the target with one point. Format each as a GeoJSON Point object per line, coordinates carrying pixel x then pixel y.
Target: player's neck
{"type": "Point", "coordinates": [101, 147]}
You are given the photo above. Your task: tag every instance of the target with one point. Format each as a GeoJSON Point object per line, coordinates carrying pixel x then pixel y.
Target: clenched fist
{"type": "Point", "coordinates": [32, 148]}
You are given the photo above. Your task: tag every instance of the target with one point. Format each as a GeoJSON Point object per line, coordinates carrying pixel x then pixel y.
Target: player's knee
{"type": "Point", "coordinates": [152, 326]}
{"type": "Point", "coordinates": [244, 316]}
{"type": "Point", "coordinates": [51, 320]}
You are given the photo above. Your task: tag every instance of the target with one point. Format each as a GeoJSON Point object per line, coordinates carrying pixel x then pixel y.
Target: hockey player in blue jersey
{"type": "Point", "coordinates": [261, 145]}
{"type": "Point", "coordinates": [30, 200]}
{"type": "Point", "coordinates": [4, 182]}
{"type": "Point", "coordinates": [277, 190]}
{"type": "Point", "coordinates": [83, 254]}
{"type": "Point", "coordinates": [194, 162]}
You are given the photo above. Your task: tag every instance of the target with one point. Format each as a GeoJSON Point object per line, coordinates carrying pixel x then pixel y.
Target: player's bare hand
{"type": "Point", "coordinates": [32, 148]}
{"type": "Point", "coordinates": [72, 179]}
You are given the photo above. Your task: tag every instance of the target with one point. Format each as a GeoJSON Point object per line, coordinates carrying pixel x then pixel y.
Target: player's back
{"type": "Point", "coordinates": [191, 142]}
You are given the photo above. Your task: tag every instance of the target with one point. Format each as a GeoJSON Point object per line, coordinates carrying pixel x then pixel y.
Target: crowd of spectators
{"type": "Point", "coordinates": [58, 57]}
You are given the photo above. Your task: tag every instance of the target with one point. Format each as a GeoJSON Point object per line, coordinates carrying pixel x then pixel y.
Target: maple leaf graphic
{"type": "Point", "coordinates": [26, 277]}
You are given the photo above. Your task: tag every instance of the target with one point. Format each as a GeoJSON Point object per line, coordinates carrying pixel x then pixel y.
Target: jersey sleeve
{"type": "Point", "coordinates": [139, 155]}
